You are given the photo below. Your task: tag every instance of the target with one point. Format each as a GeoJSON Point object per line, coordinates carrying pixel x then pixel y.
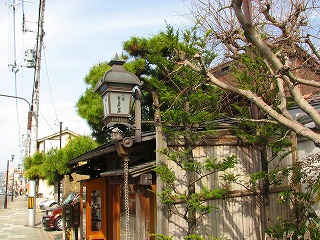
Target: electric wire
{"type": "Point", "coordinates": [46, 121]}
{"type": "Point", "coordinates": [17, 109]}
{"type": "Point", "coordinates": [46, 67]}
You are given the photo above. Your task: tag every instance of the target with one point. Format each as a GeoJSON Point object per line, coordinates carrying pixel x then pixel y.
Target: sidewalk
{"type": "Point", "coordinates": [14, 222]}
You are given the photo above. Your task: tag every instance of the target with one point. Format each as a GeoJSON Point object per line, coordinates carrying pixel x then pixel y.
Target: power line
{"type": "Point", "coordinates": [46, 66]}
{"type": "Point", "coordinates": [17, 110]}
{"type": "Point", "coordinates": [47, 122]}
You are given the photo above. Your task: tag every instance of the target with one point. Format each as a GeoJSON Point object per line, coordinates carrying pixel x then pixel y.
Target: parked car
{"type": "Point", "coordinates": [43, 205]}
{"type": "Point", "coordinates": [52, 219]}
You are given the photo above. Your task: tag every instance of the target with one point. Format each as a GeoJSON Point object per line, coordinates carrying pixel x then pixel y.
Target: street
{"type": "Point", "coordinates": [14, 221]}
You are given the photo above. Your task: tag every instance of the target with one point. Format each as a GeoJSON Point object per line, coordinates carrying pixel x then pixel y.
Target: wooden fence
{"type": "Point", "coordinates": [242, 215]}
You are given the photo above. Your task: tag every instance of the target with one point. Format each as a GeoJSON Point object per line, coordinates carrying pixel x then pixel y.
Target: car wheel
{"type": "Point", "coordinates": [58, 224]}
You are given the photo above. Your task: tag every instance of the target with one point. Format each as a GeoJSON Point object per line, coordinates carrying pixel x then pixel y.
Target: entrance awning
{"type": "Point", "coordinates": [106, 158]}
{"type": "Point", "coordinates": [134, 171]}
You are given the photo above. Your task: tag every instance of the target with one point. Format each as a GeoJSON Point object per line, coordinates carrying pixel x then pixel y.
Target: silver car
{"type": "Point", "coordinates": [47, 203]}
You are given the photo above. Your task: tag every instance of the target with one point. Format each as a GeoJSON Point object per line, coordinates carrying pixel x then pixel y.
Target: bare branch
{"type": "Point", "coordinates": [292, 124]}
{"type": "Point", "coordinates": [313, 48]}
{"type": "Point", "coordinates": [253, 36]}
{"type": "Point", "coordinates": [279, 32]}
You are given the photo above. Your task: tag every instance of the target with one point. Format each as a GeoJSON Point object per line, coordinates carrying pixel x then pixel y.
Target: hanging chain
{"type": "Point", "coordinates": [126, 196]}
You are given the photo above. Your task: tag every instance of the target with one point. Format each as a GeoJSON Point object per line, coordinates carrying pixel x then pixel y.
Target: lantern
{"type": "Point", "coordinates": [115, 89]}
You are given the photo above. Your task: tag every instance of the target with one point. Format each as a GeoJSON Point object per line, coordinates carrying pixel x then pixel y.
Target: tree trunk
{"type": "Point", "coordinates": [191, 175]}
{"type": "Point", "coordinates": [265, 190]}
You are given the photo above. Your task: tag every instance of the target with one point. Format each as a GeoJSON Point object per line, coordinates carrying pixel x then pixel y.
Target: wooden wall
{"type": "Point", "coordinates": [242, 215]}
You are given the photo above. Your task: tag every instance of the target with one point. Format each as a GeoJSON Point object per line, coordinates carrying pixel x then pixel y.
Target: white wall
{"type": "Point", "coordinates": [45, 190]}
{"type": "Point", "coordinates": [306, 148]}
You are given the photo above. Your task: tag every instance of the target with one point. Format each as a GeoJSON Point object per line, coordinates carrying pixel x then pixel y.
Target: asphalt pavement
{"type": "Point", "coordinates": [14, 222]}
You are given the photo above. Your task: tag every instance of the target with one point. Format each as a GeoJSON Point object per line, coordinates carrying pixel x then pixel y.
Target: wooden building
{"type": "Point", "coordinates": [242, 215]}
{"type": "Point", "coordinates": [103, 198]}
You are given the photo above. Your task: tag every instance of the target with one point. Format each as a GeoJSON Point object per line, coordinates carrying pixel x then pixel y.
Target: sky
{"type": "Point", "coordinates": [78, 35]}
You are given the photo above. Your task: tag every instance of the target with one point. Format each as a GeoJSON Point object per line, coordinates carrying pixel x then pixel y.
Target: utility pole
{"type": "Point", "coordinates": [58, 182]}
{"type": "Point", "coordinates": [35, 113]}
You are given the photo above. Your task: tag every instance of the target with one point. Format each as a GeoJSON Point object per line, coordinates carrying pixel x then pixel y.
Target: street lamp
{"type": "Point", "coordinates": [12, 186]}
{"type": "Point", "coordinates": [5, 206]}
{"type": "Point", "coordinates": [115, 88]}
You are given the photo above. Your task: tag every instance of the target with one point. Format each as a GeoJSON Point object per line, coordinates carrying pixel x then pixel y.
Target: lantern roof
{"type": "Point", "coordinates": [118, 75]}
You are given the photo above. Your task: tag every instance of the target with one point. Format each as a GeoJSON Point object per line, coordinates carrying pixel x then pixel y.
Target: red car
{"type": "Point", "coordinates": [52, 219]}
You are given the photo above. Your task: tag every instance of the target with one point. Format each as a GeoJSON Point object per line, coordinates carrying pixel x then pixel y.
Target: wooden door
{"type": "Point", "coordinates": [142, 211]}
{"type": "Point", "coordinates": [96, 220]}
{"type": "Point", "coordinates": [145, 217]}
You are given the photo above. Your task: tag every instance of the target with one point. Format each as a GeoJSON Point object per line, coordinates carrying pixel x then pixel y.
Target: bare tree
{"type": "Point", "coordinates": [285, 34]}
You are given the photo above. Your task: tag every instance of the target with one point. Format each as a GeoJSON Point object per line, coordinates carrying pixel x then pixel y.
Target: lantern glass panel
{"type": "Point", "coordinates": [120, 103]}
{"type": "Point", "coordinates": [106, 107]}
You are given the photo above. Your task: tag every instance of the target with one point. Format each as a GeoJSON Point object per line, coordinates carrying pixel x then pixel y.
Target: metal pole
{"type": "Point", "coordinates": [7, 179]}
{"type": "Point", "coordinates": [9, 96]}
{"type": "Point", "coordinates": [12, 186]}
{"type": "Point", "coordinates": [6, 193]}
{"type": "Point", "coordinates": [59, 180]}
{"type": "Point", "coordinates": [35, 112]}
{"type": "Point", "coordinates": [137, 120]}
{"type": "Point", "coordinates": [60, 135]}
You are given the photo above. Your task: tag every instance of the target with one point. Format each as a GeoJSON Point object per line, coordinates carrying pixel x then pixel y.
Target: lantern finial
{"type": "Point", "coordinates": [116, 61]}
{"type": "Point", "coordinates": [116, 57]}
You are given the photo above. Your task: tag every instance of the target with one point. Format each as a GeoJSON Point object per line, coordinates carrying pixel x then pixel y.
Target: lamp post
{"type": "Point", "coordinates": [5, 206]}
{"type": "Point", "coordinates": [115, 88]}
{"type": "Point", "coordinates": [12, 186]}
